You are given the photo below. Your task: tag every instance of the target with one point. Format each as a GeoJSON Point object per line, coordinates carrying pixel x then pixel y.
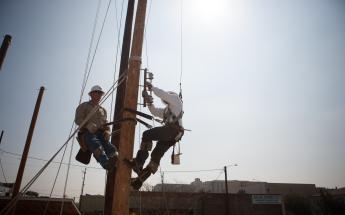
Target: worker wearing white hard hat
{"type": "Point", "coordinates": [94, 136]}
{"type": "Point", "coordinates": [97, 89]}
{"type": "Point", "coordinates": [166, 135]}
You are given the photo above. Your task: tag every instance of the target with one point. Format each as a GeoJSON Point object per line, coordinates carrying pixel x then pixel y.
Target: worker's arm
{"type": "Point", "coordinates": [163, 95]}
{"type": "Point", "coordinates": [107, 128]}
{"type": "Point", "coordinates": [80, 115]}
{"type": "Point", "coordinates": [158, 112]}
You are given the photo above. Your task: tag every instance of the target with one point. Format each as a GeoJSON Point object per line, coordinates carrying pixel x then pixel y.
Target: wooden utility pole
{"type": "Point", "coordinates": [226, 192]}
{"type": "Point", "coordinates": [3, 50]}
{"type": "Point", "coordinates": [127, 132]}
{"type": "Point", "coordinates": [18, 182]}
{"type": "Point", "coordinates": [120, 96]}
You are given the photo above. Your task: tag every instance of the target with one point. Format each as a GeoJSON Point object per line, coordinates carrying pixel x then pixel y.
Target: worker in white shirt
{"type": "Point", "coordinates": [166, 135]}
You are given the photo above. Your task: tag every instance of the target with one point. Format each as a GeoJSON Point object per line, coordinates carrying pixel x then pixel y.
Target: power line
{"type": "Point", "coordinates": [202, 170]}
{"type": "Point", "coordinates": [90, 167]}
{"type": "Point", "coordinates": [41, 159]}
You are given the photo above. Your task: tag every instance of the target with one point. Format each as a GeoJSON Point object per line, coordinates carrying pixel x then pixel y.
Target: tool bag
{"type": "Point", "coordinates": [83, 155]}
{"type": "Point", "coordinates": [175, 158]}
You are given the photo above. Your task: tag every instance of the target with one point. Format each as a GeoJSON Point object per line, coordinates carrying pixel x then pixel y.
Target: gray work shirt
{"type": "Point", "coordinates": [99, 118]}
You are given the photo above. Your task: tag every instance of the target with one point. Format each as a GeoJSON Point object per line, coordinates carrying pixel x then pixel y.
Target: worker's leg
{"type": "Point", "coordinates": [94, 144]}
{"type": "Point", "coordinates": [111, 152]}
{"type": "Point", "coordinates": [110, 149]}
{"type": "Point", "coordinates": [163, 133]}
{"type": "Point", "coordinates": [159, 151]}
{"type": "Point", "coordinates": [152, 167]}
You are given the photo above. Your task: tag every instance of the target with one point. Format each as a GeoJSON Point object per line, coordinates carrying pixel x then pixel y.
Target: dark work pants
{"type": "Point", "coordinates": [165, 137]}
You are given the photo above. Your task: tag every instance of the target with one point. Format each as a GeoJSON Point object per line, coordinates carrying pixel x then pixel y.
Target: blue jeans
{"type": "Point", "coordinates": [101, 149]}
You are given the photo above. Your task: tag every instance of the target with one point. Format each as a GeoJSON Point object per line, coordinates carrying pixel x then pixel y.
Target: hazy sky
{"type": "Point", "coordinates": [263, 85]}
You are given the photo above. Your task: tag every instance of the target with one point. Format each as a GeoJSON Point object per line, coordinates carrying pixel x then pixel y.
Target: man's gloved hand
{"type": "Point", "coordinates": [106, 135]}
{"type": "Point", "coordinates": [148, 98]}
{"type": "Point", "coordinates": [92, 128]}
{"type": "Point", "coordinates": [149, 85]}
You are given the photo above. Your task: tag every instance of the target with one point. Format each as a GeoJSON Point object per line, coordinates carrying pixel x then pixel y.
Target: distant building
{"type": "Point", "coordinates": [5, 188]}
{"type": "Point", "coordinates": [337, 193]}
{"type": "Point", "coordinates": [285, 188]}
{"type": "Point", "coordinates": [187, 188]}
{"type": "Point", "coordinates": [249, 187]}
{"type": "Point", "coordinates": [245, 197]}
{"type": "Point", "coordinates": [180, 203]}
{"type": "Point", "coordinates": [91, 204]}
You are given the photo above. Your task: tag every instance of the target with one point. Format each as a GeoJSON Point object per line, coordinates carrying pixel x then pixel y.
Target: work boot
{"type": "Point", "coordinates": [134, 165]}
{"type": "Point", "coordinates": [111, 164]}
{"type": "Point", "coordinates": [136, 183]}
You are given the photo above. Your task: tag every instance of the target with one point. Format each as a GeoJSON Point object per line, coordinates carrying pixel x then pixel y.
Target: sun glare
{"type": "Point", "coordinates": [219, 12]}
{"type": "Point", "coordinates": [209, 11]}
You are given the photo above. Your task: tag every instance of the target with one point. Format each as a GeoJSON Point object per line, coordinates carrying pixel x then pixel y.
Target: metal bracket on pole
{"type": "Point", "coordinates": [148, 77]}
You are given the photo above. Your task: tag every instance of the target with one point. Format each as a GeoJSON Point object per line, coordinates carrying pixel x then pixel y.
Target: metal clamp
{"type": "Point", "coordinates": [148, 77]}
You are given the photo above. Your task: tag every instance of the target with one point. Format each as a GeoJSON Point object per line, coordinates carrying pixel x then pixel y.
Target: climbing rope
{"type": "Point", "coordinates": [119, 24]}
{"type": "Point", "coordinates": [181, 46]}
{"type": "Point", "coordinates": [87, 72]}
{"type": "Point", "coordinates": [146, 25]}
{"type": "Point", "coordinates": [85, 77]}
{"type": "Point", "coordinates": [2, 170]}
{"type": "Point", "coordinates": [73, 141]}
{"type": "Point", "coordinates": [53, 187]}
{"type": "Point", "coordinates": [96, 48]}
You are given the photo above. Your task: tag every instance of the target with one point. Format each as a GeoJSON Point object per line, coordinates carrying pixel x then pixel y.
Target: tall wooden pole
{"type": "Point", "coordinates": [127, 132]}
{"type": "Point", "coordinates": [19, 178]}
{"type": "Point", "coordinates": [226, 192]}
{"type": "Point", "coordinates": [3, 50]}
{"type": "Point", "coordinates": [120, 96]}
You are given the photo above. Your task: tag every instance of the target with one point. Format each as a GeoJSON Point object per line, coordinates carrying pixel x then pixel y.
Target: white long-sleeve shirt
{"type": "Point", "coordinates": [174, 104]}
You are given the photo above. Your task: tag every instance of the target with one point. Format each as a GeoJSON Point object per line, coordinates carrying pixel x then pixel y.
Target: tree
{"type": "Point", "coordinates": [297, 205]}
{"type": "Point", "coordinates": [331, 206]}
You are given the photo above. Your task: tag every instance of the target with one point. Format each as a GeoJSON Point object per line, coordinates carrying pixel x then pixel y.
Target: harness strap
{"type": "Point", "coordinates": [139, 113]}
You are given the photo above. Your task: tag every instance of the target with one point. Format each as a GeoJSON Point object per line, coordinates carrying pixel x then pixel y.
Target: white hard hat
{"type": "Point", "coordinates": [96, 88]}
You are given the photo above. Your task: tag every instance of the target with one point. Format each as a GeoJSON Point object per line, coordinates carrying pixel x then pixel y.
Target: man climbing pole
{"type": "Point", "coordinates": [166, 135]}
{"type": "Point", "coordinates": [95, 135]}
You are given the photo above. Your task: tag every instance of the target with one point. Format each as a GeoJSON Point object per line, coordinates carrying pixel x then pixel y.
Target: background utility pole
{"type": "Point", "coordinates": [127, 132]}
{"type": "Point", "coordinates": [226, 192]}
{"type": "Point", "coordinates": [5, 44]}
{"type": "Point", "coordinates": [82, 188]}
{"type": "Point", "coordinates": [27, 145]}
{"type": "Point", "coordinates": [2, 169]}
{"type": "Point", "coordinates": [2, 133]}
{"type": "Point", "coordinates": [120, 96]}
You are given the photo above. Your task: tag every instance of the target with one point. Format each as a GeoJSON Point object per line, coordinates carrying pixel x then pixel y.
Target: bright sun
{"type": "Point", "coordinates": [210, 10]}
{"type": "Point", "coordinates": [219, 12]}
